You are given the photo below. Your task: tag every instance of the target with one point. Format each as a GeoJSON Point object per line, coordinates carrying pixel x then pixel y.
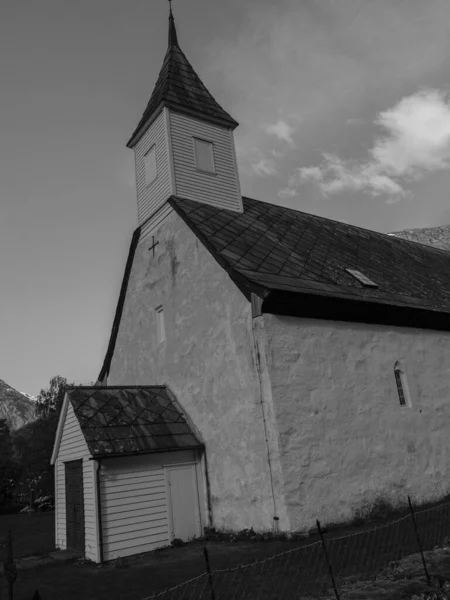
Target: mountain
{"type": "Point", "coordinates": [439, 237]}
{"type": "Point", "coordinates": [16, 408]}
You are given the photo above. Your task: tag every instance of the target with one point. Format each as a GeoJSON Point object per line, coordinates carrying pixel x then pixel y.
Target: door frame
{"type": "Point", "coordinates": [67, 465]}
{"type": "Point", "coordinates": [167, 469]}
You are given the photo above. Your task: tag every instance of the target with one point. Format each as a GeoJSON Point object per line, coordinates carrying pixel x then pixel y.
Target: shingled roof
{"type": "Point", "coordinates": [281, 249]}
{"type": "Point", "coordinates": [297, 264]}
{"type": "Point", "coordinates": [180, 88]}
{"type": "Point", "coordinates": [130, 420]}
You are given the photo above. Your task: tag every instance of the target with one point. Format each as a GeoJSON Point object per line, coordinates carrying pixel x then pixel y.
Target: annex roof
{"type": "Point", "coordinates": [130, 420]}
{"type": "Point", "coordinates": [180, 88]}
{"type": "Point", "coordinates": [279, 248]}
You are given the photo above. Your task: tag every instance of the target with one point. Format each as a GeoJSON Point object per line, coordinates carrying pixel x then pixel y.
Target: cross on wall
{"type": "Point", "coordinates": [154, 244]}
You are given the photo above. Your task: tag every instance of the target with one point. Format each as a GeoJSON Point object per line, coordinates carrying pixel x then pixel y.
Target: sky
{"type": "Point", "coordinates": [344, 112]}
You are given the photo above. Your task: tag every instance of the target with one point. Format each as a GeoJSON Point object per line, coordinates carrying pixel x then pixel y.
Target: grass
{"type": "Point", "coordinates": [32, 533]}
{"type": "Point", "coordinates": [135, 578]}
{"type": "Point", "coordinates": [302, 568]}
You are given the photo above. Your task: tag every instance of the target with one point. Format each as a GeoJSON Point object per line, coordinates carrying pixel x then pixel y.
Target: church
{"type": "Point", "coordinates": [266, 367]}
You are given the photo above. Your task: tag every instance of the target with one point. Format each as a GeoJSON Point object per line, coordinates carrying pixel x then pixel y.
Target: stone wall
{"type": "Point", "coordinates": [345, 439]}
{"type": "Point", "coordinates": [207, 361]}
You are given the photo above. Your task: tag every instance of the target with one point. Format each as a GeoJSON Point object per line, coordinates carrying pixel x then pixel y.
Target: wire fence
{"type": "Point", "coordinates": [324, 569]}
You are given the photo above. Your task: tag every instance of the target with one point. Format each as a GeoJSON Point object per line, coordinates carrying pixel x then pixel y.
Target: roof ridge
{"type": "Point", "coordinates": [390, 235]}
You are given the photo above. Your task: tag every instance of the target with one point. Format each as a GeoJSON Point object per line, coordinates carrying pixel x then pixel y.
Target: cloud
{"type": "Point", "coordinates": [282, 130]}
{"type": "Point", "coordinates": [415, 141]}
{"type": "Point", "coordinates": [323, 62]}
{"type": "Point", "coordinates": [287, 193]}
{"type": "Point", "coordinates": [263, 167]}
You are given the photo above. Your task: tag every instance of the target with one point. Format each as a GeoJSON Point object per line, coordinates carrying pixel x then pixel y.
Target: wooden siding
{"type": "Point", "coordinates": [134, 509]}
{"type": "Point", "coordinates": [220, 189]}
{"type": "Point", "coordinates": [155, 221]}
{"type": "Point", "coordinates": [135, 503]}
{"type": "Point", "coordinates": [73, 446]}
{"type": "Point", "coordinates": [152, 196]}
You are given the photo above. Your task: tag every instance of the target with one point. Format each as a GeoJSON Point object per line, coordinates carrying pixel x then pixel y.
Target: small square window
{"type": "Point", "coordinates": [150, 166]}
{"type": "Point", "coordinates": [160, 326]}
{"type": "Point", "coordinates": [204, 155]}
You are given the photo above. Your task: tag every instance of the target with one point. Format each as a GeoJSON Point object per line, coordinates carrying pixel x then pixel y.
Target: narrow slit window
{"type": "Point", "coordinates": [150, 166]}
{"type": "Point", "coordinates": [402, 386]}
{"type": "Point", "coordinates": [204, 155]}
{"type": "Point", "coordinates": [160, 325]}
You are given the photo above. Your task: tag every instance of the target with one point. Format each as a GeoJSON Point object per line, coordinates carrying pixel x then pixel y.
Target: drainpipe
{"type": "Point", "coordinates": [257, 312]}
{"type": "Point", "coordinates": [208, 491]}
{"type": "Point", "coordinates": [99, 512]}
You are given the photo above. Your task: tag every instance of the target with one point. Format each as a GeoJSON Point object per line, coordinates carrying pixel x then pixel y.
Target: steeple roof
{"type": "Point", "coordinates": [180, 88]}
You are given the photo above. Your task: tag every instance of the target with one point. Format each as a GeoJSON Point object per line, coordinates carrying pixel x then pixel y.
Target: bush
{"type": "Point", "coordinates": [44, 503]}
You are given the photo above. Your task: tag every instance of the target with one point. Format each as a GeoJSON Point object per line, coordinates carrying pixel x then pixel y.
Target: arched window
{"type": "Point", "coordinates": [402, 385]}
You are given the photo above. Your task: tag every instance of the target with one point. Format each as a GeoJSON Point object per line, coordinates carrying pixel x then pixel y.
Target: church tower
{"type": "Point", "coordinates": [184, 143]}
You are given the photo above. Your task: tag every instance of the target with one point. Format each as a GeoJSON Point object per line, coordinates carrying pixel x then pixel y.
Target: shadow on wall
{"type": "Point", "coordinates": [381, 510]}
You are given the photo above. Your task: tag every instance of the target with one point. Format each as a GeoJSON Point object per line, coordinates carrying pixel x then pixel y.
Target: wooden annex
{"type": "Point", "coordinates": [128, 472]}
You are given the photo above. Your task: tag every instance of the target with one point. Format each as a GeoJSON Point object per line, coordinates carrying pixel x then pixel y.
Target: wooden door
{"type": "Point", "coordinates": [183, 501]}
{"type": "Point", "coordinates": [75, 506]}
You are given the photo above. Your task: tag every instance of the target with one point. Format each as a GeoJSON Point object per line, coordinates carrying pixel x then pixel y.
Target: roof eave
{"type": "Point", "coordinates": [114, 387]}
{"type": "Point", "coordinates": [104, 372]}
{"type": "Point", "coordinates": [59, 430]}
{"type": "Point", "coordinates": [100, 456]}
{"type": "Point", "coordinates": [143, 127]}
{"type": "Point", "coordinates": [326, 306]}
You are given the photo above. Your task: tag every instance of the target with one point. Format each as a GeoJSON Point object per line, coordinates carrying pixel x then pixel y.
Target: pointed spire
{"type": "Point", "coordinates": [173, 39]}
{"type": "Point", "coordinates": [179, 87]}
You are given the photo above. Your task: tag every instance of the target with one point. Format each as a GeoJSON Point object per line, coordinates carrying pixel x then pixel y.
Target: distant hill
{"type": "Point", "coordinates": [439, 237]}
{"type": "Point", "coordinates": [15, 407]}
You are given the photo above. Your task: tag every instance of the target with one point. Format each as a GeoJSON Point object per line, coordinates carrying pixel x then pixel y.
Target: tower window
{"type": "Point", "coordinates": [150, 166]}
{"type": "Point", "coordinates": [160, 326]}
{"type": "Point", "coordinates": [204, 155]}
{"type": "Point", "coordinates": [402, 386]}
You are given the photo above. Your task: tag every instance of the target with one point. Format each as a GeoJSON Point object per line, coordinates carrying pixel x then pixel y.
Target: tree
{"type": "Point", "coordinates": [9, 468]}
{"type": "Point", "coordinates": [33, 443]}
{"type": "Point", "coordinates": [49, 401]}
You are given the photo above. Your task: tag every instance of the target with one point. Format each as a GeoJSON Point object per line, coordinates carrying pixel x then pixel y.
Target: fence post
{"type": "Point", "coordinates": [10, 567]}
{"type": "Point", "coordinates": [208, 570]}
{"type": "Point", "coordinates": [419, 543]}
{"type": "Point", "coordinates": [322, 539]}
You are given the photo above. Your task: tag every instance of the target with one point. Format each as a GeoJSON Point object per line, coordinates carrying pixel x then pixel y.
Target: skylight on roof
{"type": "Point", "coordinates": [362, 278]}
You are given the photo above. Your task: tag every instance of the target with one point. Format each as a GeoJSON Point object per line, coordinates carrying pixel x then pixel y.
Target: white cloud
{"type": "Point", "coordinates": [276, 153]}
{"type": "Point", "coordinates": [282, 130]}
{"type": "Point", "coordinates": [263, 167]}
{"type": "Point", "coordinates": [287, 193]}
{"type": "Point", "coordinates": [314, 173]}
{"type": "Point", "coordinates": [416, 140]}
{"type": "Point", "coordinates": [312, 64]}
